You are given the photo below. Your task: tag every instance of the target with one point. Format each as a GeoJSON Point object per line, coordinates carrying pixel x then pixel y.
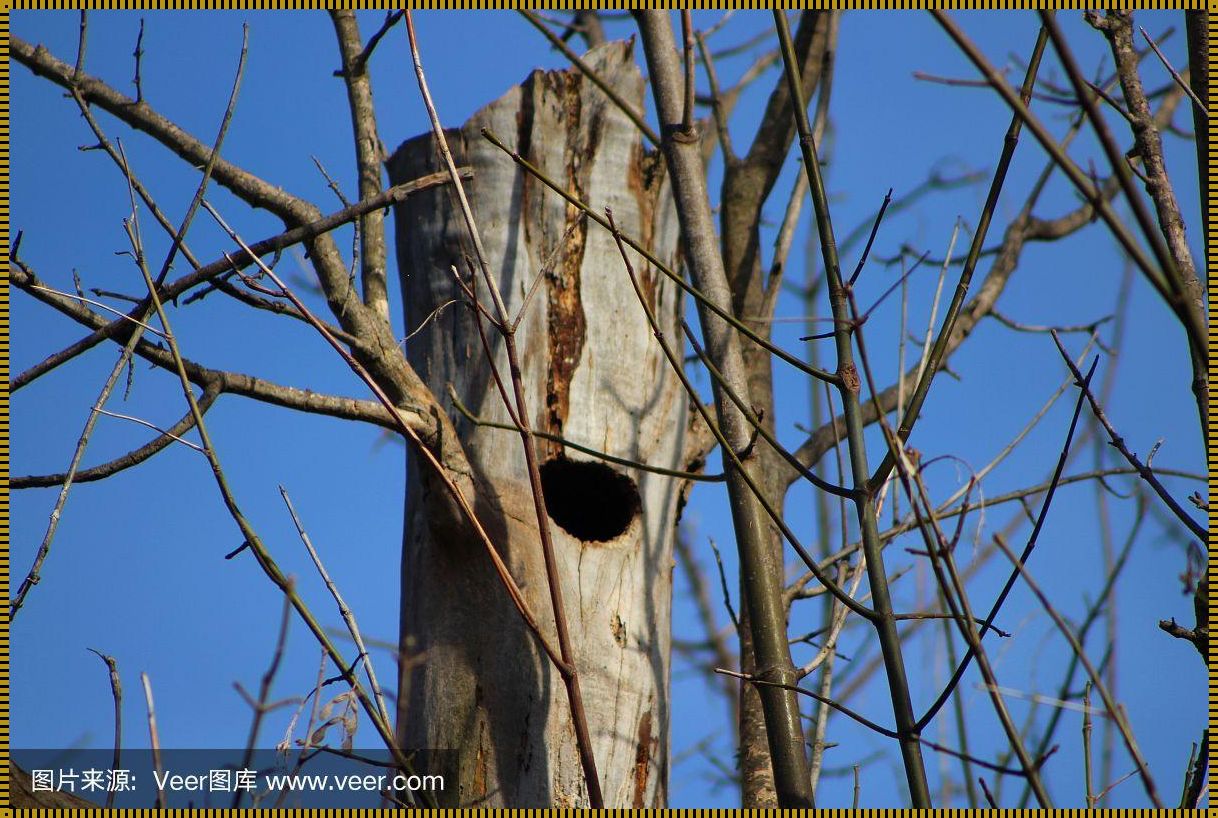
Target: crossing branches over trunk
{"type": "Point", "coordinates": [472, 678]}
{"type": "Point", "coordinates": [761, 573]}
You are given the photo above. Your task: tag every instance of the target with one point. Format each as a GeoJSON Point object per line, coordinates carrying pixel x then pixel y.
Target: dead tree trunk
{"type": "Point", "coordinates": [472, 677]}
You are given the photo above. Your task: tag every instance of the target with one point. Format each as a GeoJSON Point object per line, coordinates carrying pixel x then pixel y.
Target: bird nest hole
{"type": "Point", "coordinates": [590, 501]}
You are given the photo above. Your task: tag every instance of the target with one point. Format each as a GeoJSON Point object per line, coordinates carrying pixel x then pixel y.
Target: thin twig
{"type": "Point", "coordinates": [154, 739]}
{"type": "Point", "coordinates": [715, 637]}
{"type": "Point", "coordinates": [1175, 75]}
{"type": "Point", "coordinates": [116, 693]}
{"type": "Point", "coordinates": [1091, 799]}
{"type": "Point", "coordinates": [989, 797]}
{"type": "Point", "coordinates": [34, 576]}
{"type": "Point", "coordinates": [138, 54]}
{"type": "Point", "coordinates": [567, 668]}
{"type": "Point", "coordinates": [262, 705]}
{"type": "Point", "coordinates": [344, 610]}
{"type": "Point", "coordinates": [152, 426]}
{"type": "Point", "coordinates": [562, 441]}
{"type": "Point", "coordinates": [718, 111]}
{"type": "Point", "coordinates": [104, 306]}
{"type": "Point", "coordinates": [1115, 712]}
{"type": "Point", "coordinates": [1118, 443]}
{"type": "Point", "coordinates": [885, 625]}
{"type": "Point", "coordinates": [868, 723]}
{"type": "Point", "coordinates": [727, 595]}
{"type": "Point", "coordinates": [875, 228]}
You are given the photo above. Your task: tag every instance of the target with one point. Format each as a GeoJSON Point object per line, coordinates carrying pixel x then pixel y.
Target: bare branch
{"type": "Point", "coordinates": [369, 155]}
{"type": "Point", "coordinates": [384, 360]}
{"type": "Point", "coordinates": [132, 458]}
{"type": "Point", "coordinates": [116, 682]}
{"type": "Point", "coordinates": [236, 261]}
{"type": "Point", "coordinates": [1175, 75]}
{"type": "Point", "coordinates": [747, 183]}
{"type": "Point", "coordinates": [233, 382]}
{"type": "Point", "coordinates": [1114, 710]}
{"type": "Point", "coordinates": [1083, 184]}
{"type": "Point", "coordinates": [1167, 238]}
{"type": "Point", "coordinates": [343, 609]}
{"type": "Point", "coordinates": [930, 364]}
{"type": "Point", "coordinates": [1118, 442]}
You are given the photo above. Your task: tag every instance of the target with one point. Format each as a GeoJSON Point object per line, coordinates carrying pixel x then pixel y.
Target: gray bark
{"type": "Point", "coordinates": [472, 677]}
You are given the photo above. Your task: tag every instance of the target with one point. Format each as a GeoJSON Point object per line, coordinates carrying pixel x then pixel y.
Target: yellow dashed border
{"type": "Point", "coordinates": [1211, 255]}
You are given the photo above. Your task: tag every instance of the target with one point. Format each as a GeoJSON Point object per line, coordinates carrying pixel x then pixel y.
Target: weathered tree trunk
{"type": "Point", "coordinates": [472, 676]}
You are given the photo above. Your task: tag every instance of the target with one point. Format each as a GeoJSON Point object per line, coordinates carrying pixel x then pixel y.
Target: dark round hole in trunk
{"type": "Point", "coordinates": [589, 501]}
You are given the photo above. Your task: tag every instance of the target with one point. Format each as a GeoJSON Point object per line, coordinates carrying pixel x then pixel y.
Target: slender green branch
{"type": "Point", "coordinates": [933, 361]}
{"type": "Point", "coordinates": [1155, 276]}
{"type": "Point", "coordinates": [754, 421]}
{"type": "Point", "coordinates": [884, 622]}
{"type": "Point", "coordinates": [729, 453]}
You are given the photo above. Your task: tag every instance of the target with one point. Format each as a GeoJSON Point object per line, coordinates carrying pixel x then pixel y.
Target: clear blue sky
{"type": "Point", "coordinates": [137, 568]}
